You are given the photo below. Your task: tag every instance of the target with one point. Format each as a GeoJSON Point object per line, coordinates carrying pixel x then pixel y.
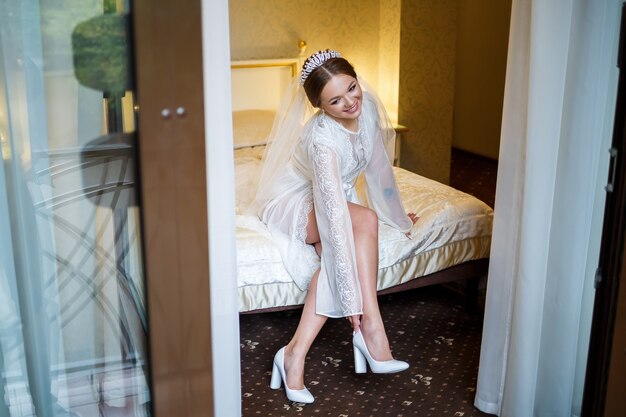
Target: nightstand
{"type": "Point", "coordinates": [399, 131]}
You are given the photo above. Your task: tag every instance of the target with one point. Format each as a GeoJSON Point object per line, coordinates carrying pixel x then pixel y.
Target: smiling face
{"type": "Point", "coordinates": [341, 99]}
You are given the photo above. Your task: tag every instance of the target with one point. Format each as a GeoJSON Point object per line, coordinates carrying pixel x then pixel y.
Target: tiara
{"type": "Point", "coordinates": [315, 61]}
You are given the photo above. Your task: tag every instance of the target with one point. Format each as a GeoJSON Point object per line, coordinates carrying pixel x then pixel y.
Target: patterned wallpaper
{"type": "Point", "coordinates": [404, 48]}
{"type": "Point", "coordinates": [427, 58]}
{"type": "Point", "coordinates": [272, 28]}
{"type": "Point", "coordinates": [389, 55]}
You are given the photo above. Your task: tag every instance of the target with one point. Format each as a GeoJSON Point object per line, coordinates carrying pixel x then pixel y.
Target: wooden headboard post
{"type": "Point", "coordinates": [302, 55]}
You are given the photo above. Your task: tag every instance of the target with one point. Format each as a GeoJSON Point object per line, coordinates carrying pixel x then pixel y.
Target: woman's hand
{"type": "Point", "coordinates": [414, 217]}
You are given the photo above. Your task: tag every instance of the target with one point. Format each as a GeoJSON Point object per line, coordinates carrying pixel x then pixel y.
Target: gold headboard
{"type": "Point", "coordinates": [260, 83]}
{"type": "Point", "coordinates": [267, 63]}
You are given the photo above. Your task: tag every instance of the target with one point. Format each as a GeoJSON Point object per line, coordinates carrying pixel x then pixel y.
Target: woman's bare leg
{"type": "Point", "coordinates": [308, 328]}
{"type": "Point", "coordinates": [310, 322]}
{"type": "Point", "coordinates": [365, 231]}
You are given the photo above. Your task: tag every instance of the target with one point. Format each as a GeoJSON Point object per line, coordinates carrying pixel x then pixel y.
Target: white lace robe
{"type": "Point", "coordinates": [322, 174]}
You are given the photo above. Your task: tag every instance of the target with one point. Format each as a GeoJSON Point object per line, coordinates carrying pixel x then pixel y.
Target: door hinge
{"type": "Point", "coordinates": [598, 278]}
{"type": "Point", "coordinates": [612, 166]}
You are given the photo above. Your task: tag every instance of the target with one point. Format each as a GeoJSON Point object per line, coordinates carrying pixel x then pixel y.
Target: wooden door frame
{"type": "Point", "coordinates": [188, 233]}
{"type": "Point", "coordinates": [614, 401]}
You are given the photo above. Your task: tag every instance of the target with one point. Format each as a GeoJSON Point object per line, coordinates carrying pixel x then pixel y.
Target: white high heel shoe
{"type": "Point", "coordinates": [362, 358]}
{"type": "Point", "coordinates": [279, 376]}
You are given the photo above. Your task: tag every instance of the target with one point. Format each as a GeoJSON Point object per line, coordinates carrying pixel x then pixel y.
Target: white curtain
{"type": "Point", "coordinates": [557, 123]}
{"type": "Point", "coordinates": [72, 315]}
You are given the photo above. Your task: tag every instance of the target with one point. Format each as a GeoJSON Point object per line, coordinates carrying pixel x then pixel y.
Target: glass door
{"type": "Point", "coordinates": [73, 325]}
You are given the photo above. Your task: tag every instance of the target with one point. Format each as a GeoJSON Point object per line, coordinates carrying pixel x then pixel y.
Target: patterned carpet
{"type": "Point", "coordinates": [427, 327]}
{"type": "Point", "coordinates": [474, 174]}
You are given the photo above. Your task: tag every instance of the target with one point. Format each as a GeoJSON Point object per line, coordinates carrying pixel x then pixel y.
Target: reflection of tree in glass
{"type": "Point", "coordinates": [101, 53]}
{"type": "Point", "coordinates": [102, 60]}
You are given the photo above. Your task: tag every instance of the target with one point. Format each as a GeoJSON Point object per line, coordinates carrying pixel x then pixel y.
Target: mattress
{"type": "Point", "coordinates": [453, 227]}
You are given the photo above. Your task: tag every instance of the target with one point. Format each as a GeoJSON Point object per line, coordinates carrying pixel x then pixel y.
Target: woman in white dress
{"type": "Point", "coordinates": [329, 130]}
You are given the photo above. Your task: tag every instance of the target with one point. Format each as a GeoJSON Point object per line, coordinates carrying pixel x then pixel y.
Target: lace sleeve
{"type": "Point", "coordinates": [338, 290]}
{"type": "Point", "coordinates": [382, 190]}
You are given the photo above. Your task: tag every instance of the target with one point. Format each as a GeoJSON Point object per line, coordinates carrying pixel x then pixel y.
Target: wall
{"type": "Point", "coordinates": [482, 41]}
{"type": "Point", "coordinates": [389, 55]}
{"type": "Point", "coordinates": [272, 28]}
{"type": "Point", "coordinates": [427, 59]}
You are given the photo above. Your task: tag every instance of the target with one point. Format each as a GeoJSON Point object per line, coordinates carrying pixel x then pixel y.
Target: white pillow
{"type": "Point", "coordinates": [247, 173]}
{"type": "Point", "coordinates": [251, 127]}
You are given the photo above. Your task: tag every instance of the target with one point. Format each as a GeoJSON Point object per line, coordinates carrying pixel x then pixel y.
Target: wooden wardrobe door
{"type": "Point", "coordinates": [168, 47]}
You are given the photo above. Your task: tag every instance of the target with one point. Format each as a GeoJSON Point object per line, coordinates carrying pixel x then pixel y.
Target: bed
{"type": "Point", "coordinates": [451, 239]}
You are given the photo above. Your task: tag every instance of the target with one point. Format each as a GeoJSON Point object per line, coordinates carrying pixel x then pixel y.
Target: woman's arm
{"type": "Point", "coordinates": [338, 278]}
{"type": "Point", "coordinates": [382, 190]}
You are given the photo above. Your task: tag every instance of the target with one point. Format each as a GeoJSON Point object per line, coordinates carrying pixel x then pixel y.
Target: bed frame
{"type": "Point", "coordinates": [274, 75]}
{"type": "Point", "coordinates": [470, 273]}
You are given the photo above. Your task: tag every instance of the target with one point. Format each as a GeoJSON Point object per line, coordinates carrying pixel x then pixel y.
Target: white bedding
{"type": "Point", "coordinates": [453, 227]}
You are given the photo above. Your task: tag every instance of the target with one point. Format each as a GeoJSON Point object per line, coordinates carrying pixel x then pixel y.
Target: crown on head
{"type": "Point", "coordinates": [315, 61]}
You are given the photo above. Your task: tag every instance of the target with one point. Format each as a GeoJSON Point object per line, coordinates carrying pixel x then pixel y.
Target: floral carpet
{"type": "Point", "coordinates": [474, 174]}
{"type": "Point", "coordinates": [427, 327]}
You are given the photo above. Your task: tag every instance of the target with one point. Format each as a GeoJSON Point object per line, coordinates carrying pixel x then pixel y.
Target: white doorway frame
{"type": "Point", "coordinates": [221, 208]}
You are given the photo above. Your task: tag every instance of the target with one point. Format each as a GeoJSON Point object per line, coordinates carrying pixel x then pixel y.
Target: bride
{"type": "Point", "coordinates": [330, 129]}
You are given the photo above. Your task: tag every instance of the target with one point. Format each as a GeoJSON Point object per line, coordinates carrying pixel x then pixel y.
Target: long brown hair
{"type": "Point", "coordinates": [317, 79]}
